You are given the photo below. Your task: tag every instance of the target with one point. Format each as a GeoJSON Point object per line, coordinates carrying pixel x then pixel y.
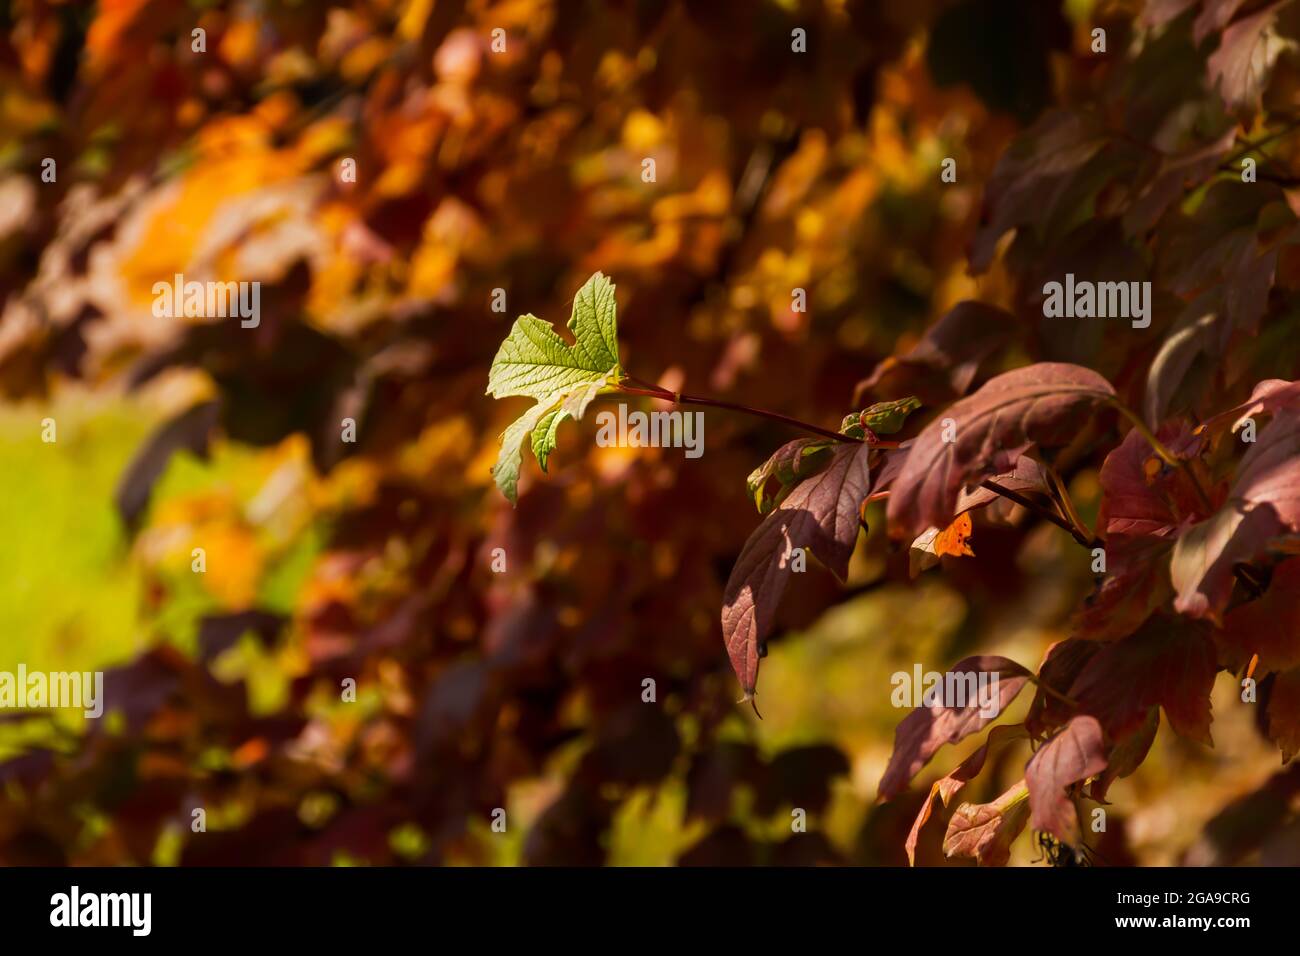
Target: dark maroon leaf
{"type": "Point", "coordinates": [1270, 625]}
{"type": "Point", "coordinates": [1061, 666]}
{"type": "Point", "coordinates": [1040, 179]}
{"type": "Point", "coordinates": [1172, 177]}
{"type": "Point", "coordinates": [1218, 248]}
{"type": "Point", "coordinates": [1141, 494]}
{"type": "Point", "coordinates": [1127, 754]}
{"type": "Point", "coordinates": [944, 363]}
{"type": "Point", "coordinates": [1135, 585]}
{"type": "Point", "coordinates": [883, 478]}
{"type": "Point", "coordinates": [1170, 662]}
{"type": "Point", "coordinates": [1284, 713]}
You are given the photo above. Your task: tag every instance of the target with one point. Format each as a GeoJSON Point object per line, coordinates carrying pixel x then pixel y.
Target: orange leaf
{"type": "Point", "coordinates": [954, 538]}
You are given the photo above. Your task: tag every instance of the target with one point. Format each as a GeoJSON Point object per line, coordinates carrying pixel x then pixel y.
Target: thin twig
{"type": "Point", "coordinates": [1254, 147]}
{"type": "Point", "coordinates": [1062, 495]}
{"type": "Point", "coordinates": [1068, 701]}
{"type": "Point", "coordinates": [663, 394]}
{"type": "Point", "coordinates": [1033, 506]}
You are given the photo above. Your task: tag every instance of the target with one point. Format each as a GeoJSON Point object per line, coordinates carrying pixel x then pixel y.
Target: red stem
{"type": "Point", "coordinates": [654, 391]}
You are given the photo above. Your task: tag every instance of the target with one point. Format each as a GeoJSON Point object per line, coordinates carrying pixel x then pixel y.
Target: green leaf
{"type": "Point", "coordinates": [789, 464]}
{"type": "Point", "coordinates": [593, 322]}
{"type": "Point", "coordinates": [535, 361]}
{"type": "Point", "coordinates": [883, 418]}
{"type": "Point", "coordinates": [544, 435]}
{"type": "Point", "coordinates": [511, 456]}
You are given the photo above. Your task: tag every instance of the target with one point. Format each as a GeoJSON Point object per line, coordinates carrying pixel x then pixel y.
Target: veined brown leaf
{"type": "Point", "coordinates": [821, 515]}
{"type": "Point", "coordinates": [985, 831]}
{"type": "Point", "coordinates": [1074, 754]}
{"type": "Point", "coordinates": [945, 788]}
{"type": "Point", "coordinates": [986, 434]}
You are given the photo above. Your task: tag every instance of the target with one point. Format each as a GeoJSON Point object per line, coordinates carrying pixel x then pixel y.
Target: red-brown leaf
{"type": "Point", "coordinates": [1043, 404]}
{"type": "Point", "coordinates": [1270, 625]}
{"type": "Point", "coordinates": [1170, 662]}
{"type": "Point", "coordinates": [922, 732]}
{"type": "Point", "coordinates": [1074, 754]}
{"type": "Point", "coordinates": [1127, 754]}
{"type": "Point", "coordinates": [1135, 585]}
{"type": "Point", "coordinates": [1141, 495]}
{"type": "Point", "coordinates": [945, 788]}
{"type": "Point", "coordinates": [1061, 667]}
{"type": "Point", "coordinates": [986, 831]}
{"type": "Point", "coordinates": [1263, 502]}
{"type": "Point", "coordinates": [819, 514]}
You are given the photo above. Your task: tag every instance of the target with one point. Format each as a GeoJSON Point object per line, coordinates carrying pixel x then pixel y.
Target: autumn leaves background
{"type": "Point", "coordinates": [521, 170]}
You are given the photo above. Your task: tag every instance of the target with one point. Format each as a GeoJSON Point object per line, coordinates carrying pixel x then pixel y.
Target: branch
{"type": "Point", "coordinates": [1253, 147]}
{"type": "Point", "coordinates": [1062, 495]}
{"type": "Point", "coordinates": [1030, 505]}
{"type": "Point", "coordinates": [1051, 692]}
{"type": "Point", "coordinates": [677, 398]}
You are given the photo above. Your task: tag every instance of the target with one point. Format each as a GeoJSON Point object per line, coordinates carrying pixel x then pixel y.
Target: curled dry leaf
{"type": "Point", "coordinates": [928, 548]}
{"type": "Point", "coordinates": [985, 831]}
{"type": "Point", "coordinates": [945, 788]}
